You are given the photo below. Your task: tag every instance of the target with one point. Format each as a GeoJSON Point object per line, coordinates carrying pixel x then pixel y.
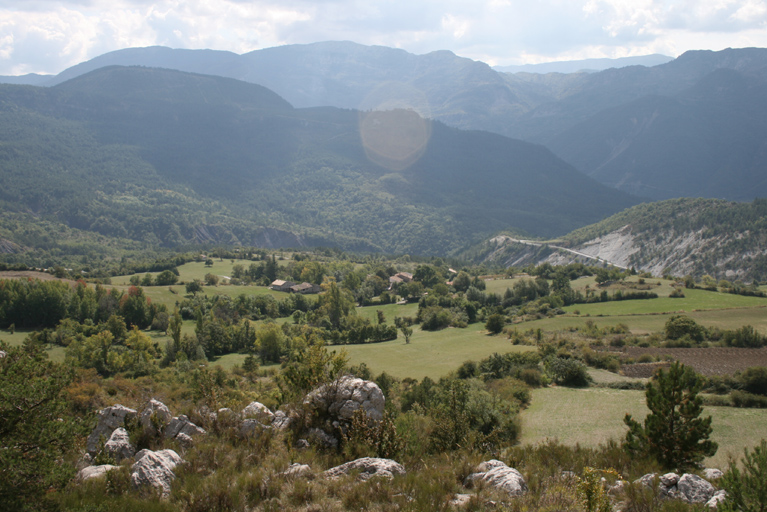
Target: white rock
{"type": "Point", "coordinates": [694, 489]}
{"type": "Point", "coordinates": [184, 440]}
{"type": "Point", "coordinates": [95, 472]}
{"type": "Point", "coordinates": [717, 499]}
{"type": "Point", "coordinates": [669, 479]}
{"type": "Point", "coordinates": [259, 411]}
{"type": "Point", "coordinates": [712, 474]}
{"type": "Point", "coordinates": [281, 421]}
{"type": "Point", "coordinates": [119, 446]}
{"type": "Point", "coordinates": [506, 479]}
{"type": "Point", "coordinates": [343, 397]}
{"type": "Point", "coordinates": [368, 467]}
{"type": "Point", "coordinates": [647, 480]}
{"type": "Point", "coordinates": [181, 424]}
{"type": "Point", "coordinates": [155, 417]}
{"type": "Point", "coordinates": [155, 469]}
{"type": "Point", "coordinates": [109, 419]}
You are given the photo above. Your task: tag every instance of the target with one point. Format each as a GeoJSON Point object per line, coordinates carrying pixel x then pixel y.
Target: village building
{"type": "Point", "coordinates": [305, 288]}
{"type": "Point", "coordinates": [281, 286]}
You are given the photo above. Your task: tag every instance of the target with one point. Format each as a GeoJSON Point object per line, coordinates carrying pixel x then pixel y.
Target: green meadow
{"type": "Point", "coordinates": [592, 416]}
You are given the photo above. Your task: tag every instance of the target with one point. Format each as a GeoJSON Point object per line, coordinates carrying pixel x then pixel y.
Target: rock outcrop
{"type": "Point", "coordinates": [182, 425]}
{"type": "Point", "coordinates": [497, 474]}
{"type": "Point", "coordinates": [155, 417]}
{"type": "Point", "coordinates": [258, 411]}
{"type": "Point", "coordinates": [155, 469]}
{"type": "Point", "coordinates": [110, 418]}
{"type": "Point", "coordinates": [119, 446]}
{"type": "Point", "coordinates": [694, 489]}
{"type": "Point", "coordinates": [343, 397]}
{"type": "Point", "coordinates": [95, 472]}
{"type": "Point", "coordinates": [688, 487]}
{"type": "Point", "coordinates": [368, 467]}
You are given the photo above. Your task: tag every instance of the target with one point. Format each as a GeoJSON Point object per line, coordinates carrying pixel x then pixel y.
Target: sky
{"type": "Point", "coordinates": [48, 36]}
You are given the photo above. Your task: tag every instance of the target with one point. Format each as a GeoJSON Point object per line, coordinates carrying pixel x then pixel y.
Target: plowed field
{"type": "Point", "coordinates": [708, 361]}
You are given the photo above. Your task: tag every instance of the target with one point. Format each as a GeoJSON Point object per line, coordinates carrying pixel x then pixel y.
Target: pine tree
{"type": "Point", "coordinates": [673, 432]}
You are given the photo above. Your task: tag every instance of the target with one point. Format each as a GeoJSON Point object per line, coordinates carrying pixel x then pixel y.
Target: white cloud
{"type": "Point", "coordinates": [50, 35]}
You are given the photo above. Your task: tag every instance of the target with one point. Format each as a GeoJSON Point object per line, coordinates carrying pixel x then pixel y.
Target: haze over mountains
{"type": "Point", "coordinates": [174, 158]}
{"type": "Point", "coordinates": [331, 146]}
{"type": "Point", "coordinates": [658, 132]}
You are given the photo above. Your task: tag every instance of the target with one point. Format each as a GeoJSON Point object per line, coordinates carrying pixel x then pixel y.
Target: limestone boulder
{"type": "Point", "coordinates": [669, 479]}
{"type": "Point", "coordinates": [155, 470]}
{"type": "Point", "coordinates": [109, 419]}
{"type": "Point", "coordinates": [712, 474]}
{"type": "Point", "coordinates": [717, 499]}
{"type": "Point", "coordinates": [694, 489]}
{"type": "Point", "coordinates": [497, 474]}
{"type": "Point", "coordinates": [182, 425]}
{"type": "Point", "coordinates": [155, 417]}
{"type": "Point", "coordinates": [258, 411]}
{"type": "Point", "coordinates": [368, 467]}
{"type": "Point", "coordinates": [281, 421]}
{"type": "Point", "coordinates": [119, 446]}
{"type": "Point", "coordinates": [343, 397]}
{"type": "Point", "coordinates": [95, 472]}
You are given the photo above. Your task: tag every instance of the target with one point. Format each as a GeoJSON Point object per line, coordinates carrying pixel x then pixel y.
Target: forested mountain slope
{"type": "Point", "coordinates": [664, 131]}
{"type": "Point", "coordinates": [726, 240]}
{"type": "Point", "coordinates": [171, 158]}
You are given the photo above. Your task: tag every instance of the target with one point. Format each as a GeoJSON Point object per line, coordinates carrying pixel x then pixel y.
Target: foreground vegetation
{"type": "Point", "coordinates": [524, 366]}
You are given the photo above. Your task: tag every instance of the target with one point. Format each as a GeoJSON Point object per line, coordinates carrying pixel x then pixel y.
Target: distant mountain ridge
{"type": "Point", "coordinates": [171, 158]}
{"type": "Point", "coordinates": [662, 131]}
{"type": "Point", "coordinates": [586, 65]}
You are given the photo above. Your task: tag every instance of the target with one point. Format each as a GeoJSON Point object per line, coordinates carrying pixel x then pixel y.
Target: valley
{"type": "Point", "coordinates": [485, 266]}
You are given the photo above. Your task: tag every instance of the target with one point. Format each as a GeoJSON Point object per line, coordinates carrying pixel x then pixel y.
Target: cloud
{"type": "Point", "coordinates": [50, 35]}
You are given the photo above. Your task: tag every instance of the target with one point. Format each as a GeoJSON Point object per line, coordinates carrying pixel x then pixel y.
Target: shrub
{"type": "Point", "coordinates": [567, 372]}
{"type": "Point", "coordinates": [495, 323]}
{"type": "Point", "coordinates": [746, 337]}
{"type": "Point", "coordinates": [678, 326]}
{"type": "Point", "coordinates": [754, 380]}
{"type": "Point", "coordinates": [748, 400]}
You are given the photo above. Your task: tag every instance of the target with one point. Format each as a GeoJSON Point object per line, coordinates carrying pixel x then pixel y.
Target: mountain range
{"type": "Point", "coordinates": [659, 132]}
{"type": "Point", "coordinates": [171, 158]}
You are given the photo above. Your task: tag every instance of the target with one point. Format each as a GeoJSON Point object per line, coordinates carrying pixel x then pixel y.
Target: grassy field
{"type": "Point", "coordinates": [430, 353]}
{"type": "Point", "coordinates": [592, 416]}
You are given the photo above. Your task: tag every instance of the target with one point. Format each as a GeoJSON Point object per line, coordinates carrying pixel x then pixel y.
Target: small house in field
{"type": "Point", "coordinates": [281, 286]}
{"type": "Point", "coordinates": [305, 288]}
{"type": "Point", "coordinates": [399, 278]}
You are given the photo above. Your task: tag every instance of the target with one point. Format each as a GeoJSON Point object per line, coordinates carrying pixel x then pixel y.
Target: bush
{"type": "Point", "coordinates": [746, 337]}
{"type": "Point", "coordinates": [568, 372]}
{"type": "Point", "coordinates": [754, 380]}
{"type": "Point", "coordinates": [678, 326]}
{"type": "Point", "coordinates": [495, 323]}
{"type": "Point", "coordinates": [748, 400]}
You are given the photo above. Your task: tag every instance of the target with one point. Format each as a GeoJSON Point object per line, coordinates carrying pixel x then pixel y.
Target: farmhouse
{"type": "Point", "coordinates": [281, 286]}
{"type": "Point", "coordinates": [400, 277]}
{"type": "Point", "coordinates": [305, 288]}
